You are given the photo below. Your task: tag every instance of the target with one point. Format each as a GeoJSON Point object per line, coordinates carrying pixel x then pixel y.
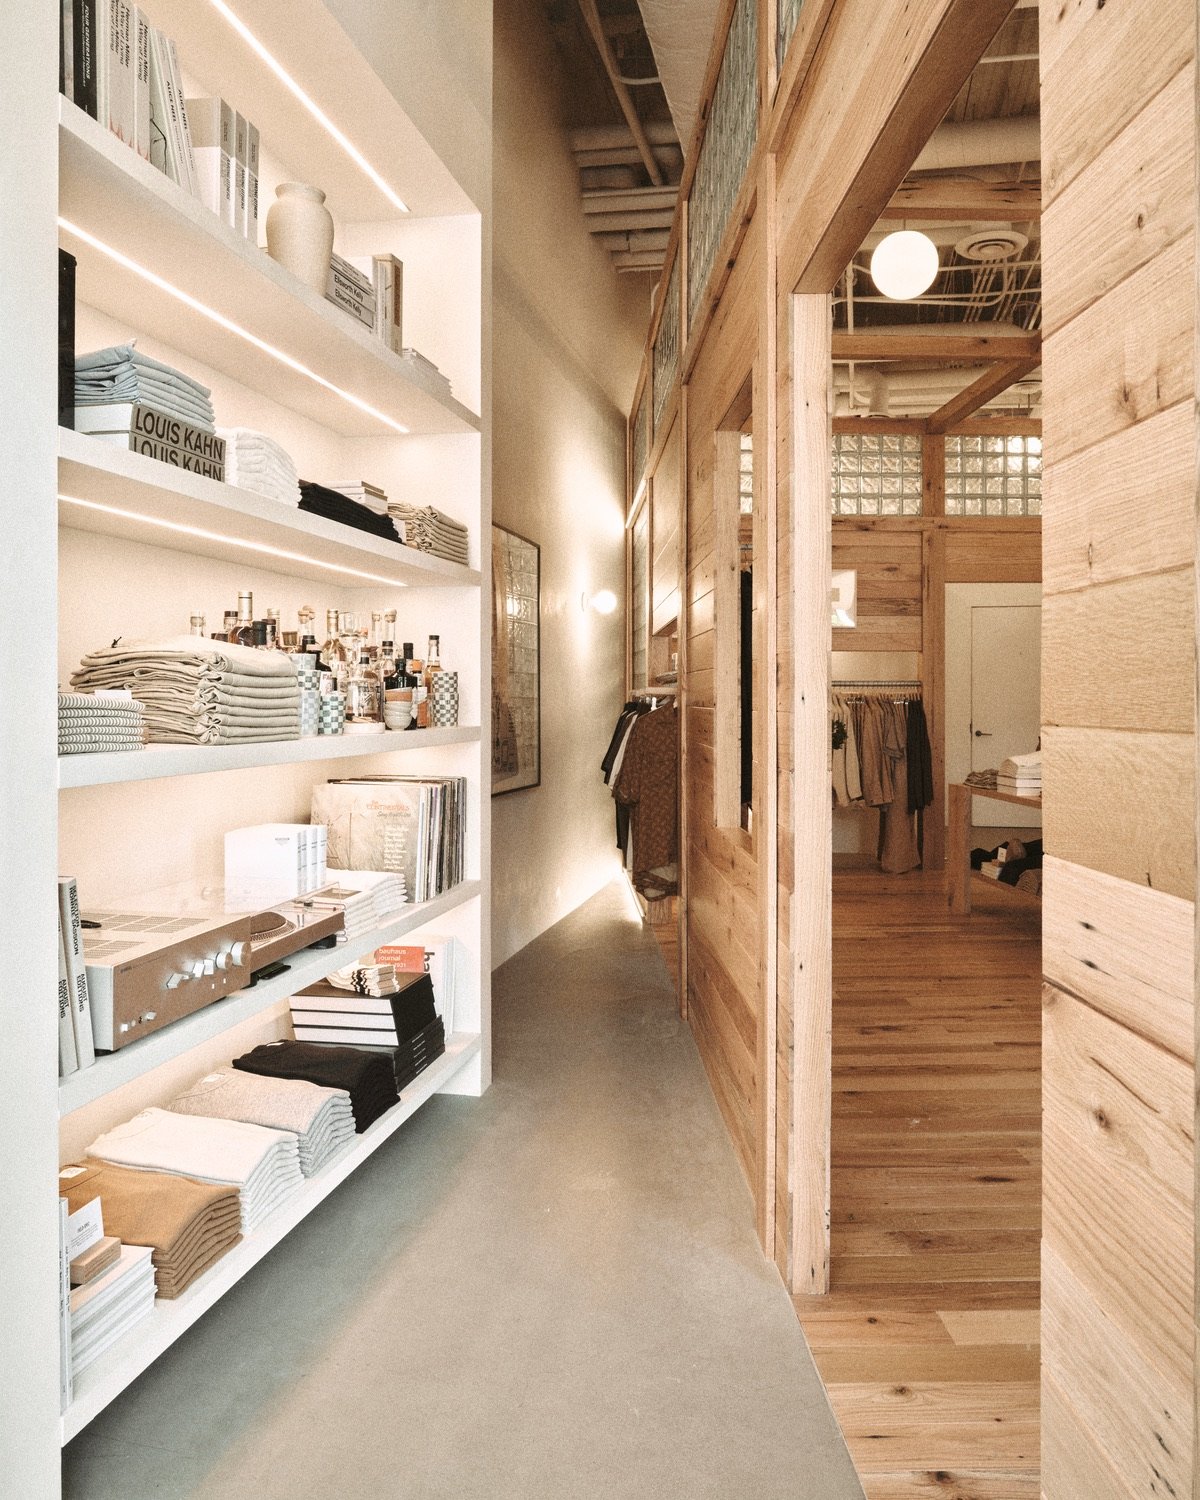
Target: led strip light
{"type": "Point", "coordinates": [313, 108]}
{"type": "Point", "coordinates": [227, 323]}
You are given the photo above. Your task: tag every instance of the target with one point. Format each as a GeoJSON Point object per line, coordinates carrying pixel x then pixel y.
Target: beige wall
{"type": "Point", "coordinates": [567, 336]}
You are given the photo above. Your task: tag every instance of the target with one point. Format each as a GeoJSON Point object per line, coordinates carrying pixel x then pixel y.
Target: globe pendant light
{"type": "Point", "coordinates": [904, 264]}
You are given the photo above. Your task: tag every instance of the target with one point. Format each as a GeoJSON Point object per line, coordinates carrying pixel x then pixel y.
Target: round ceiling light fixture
{"type": "Point", "coordinates": [904, 264]}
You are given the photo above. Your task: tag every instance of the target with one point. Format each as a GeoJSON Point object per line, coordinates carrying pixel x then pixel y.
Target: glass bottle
{"type": "Point", "coordinates": [432, 663]}
{"type": "Point", "coordinates": [273, 631]}
{"type": "Point", "coordinates": [412, 664]}
{"type": "Point", "coordinates": [362, 696]}
{"type": "Point", "coordinates": [260, 635]}
{"type": "Point", "coordinates": [228, 627]}
{"type": "Point", "coordinates": [242, 633]}
{"type": "Point", "coordinates": [375, 642]}
{"type": "Point", "coordinates": [198, 626]}
{"type": "Point", "coordinates": [333, 653]}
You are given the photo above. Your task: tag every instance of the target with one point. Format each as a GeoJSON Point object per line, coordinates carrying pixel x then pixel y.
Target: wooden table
{"type": "Point", "coordinates": [961, 872]}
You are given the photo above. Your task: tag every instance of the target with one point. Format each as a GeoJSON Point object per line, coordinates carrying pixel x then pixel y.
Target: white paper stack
{"type": "Point", "coordinates": [106, 1309]}
{"type": "Point", "coordinates": [253, 461]}
{"type": "Point", "coordinates": [200, 692]}
{"type": "Point", "coordinates": [367, 898]}
{"type": "Point", "coordinates": [263, 1164]}
{"type": "Point", "coordinates": [1021, 774]}
{"type": "Point", "coordinates": [90, 723]}
{"type": "Point", "coordinates": [322, 1120]}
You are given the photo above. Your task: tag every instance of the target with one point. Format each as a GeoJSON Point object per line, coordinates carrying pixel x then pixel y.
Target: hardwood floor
{"type": "Point", "coordinates": [928, 1341]}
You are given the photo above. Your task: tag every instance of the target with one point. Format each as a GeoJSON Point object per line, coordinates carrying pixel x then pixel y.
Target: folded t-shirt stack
{"type": "Point", "coordinates": [431, 530]}
{"type": "Point", "coordinates": [263, 1164]}
{"type": "Point", "coordinates": [1022, 774]}
{"type": "Point", "coordinates": [123, 374]}
{"type": "Point", "coordinates": [321, 1118]}
{"type": "Point", "coordinates": [253, 461]}
{"type": "Point", "coordinates": [188, 1225]}
{"type": "Point", "coordinates": [198, 692]}
{"type": "Point", "coordinates": [368, 1077]}
{"type": "Point", "coordinates": [318, 500]}
{"type": "Point", "coordinates": [87, 723]}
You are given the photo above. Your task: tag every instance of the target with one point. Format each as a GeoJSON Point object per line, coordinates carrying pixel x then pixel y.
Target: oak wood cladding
{"type": "Point", "coordinates": [1118, 699]}
{"type": "Point", "coordinates": [928, 1339]}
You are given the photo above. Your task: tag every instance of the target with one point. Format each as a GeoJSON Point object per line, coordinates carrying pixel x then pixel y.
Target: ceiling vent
{"type": "Point", "coordinates": [991, 244]}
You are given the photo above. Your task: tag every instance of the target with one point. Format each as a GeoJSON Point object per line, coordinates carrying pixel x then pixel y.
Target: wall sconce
{"type": "Point", "coordinates": [843, 599]}
{"type": "Point", "coordinates": [603, 602]}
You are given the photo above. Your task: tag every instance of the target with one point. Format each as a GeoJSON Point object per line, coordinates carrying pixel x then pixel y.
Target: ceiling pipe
{"type": "Point", "coordinates": [982, 143]}
{"type": "Point", "coordinates": [592, 17]}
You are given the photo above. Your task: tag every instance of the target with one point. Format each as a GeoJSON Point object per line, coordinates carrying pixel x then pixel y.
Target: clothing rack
{"type": "Point", "coordinates": [906, 683]}
{"type": "Point", "coordinates": [668, 690]}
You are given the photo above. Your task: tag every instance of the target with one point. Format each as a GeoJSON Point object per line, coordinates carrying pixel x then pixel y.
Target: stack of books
{"type": "Point", "coordinates": [363, 493]}
{"type": "Point", "coordinates": [366, 899]}
{"type": "Point", "coordinates": [350, 289]}
{"type": "Point", "coordinates": [403, 1023]}
{"type": "Point", "coordinates": [1021, 774]}
{"type": "Point", "coordinates": [105, 1309]}
{"type": "Point", "coordinates": [123, 396]}
{"type": "Point", "coordinates": [426, 371]}
{"type": "Point", "coordinates": [225, 156]}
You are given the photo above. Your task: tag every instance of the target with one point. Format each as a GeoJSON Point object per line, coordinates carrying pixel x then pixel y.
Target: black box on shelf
{"type": "Point", "coordinates": [66, 339]}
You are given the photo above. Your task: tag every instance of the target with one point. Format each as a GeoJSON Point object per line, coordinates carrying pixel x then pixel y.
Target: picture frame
{"type": "Point", "coordinates": [516, 662]}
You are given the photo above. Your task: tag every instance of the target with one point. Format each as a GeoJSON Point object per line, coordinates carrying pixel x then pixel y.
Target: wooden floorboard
{"type": "Point", "coordinates": [928, 1341]}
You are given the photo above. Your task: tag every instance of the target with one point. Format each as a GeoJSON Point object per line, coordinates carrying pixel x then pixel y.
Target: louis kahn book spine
{"type": "Point", "coordinates": [81, 1010]}
{"type": "Point", "coordinates": [128, 419]}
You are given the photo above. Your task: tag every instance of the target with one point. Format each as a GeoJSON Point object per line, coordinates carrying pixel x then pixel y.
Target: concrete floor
{"type": "Point", "coordinates": [554, 1291]}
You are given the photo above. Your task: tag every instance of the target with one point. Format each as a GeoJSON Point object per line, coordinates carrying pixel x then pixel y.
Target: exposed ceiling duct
{"type": "Point", "coordinates": [981, 143]}
{"type": "Point", "coordinates": [681, 36]}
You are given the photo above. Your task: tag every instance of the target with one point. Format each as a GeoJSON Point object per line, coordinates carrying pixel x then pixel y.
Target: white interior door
{"type": "Point", "coordinates": [993, 696]}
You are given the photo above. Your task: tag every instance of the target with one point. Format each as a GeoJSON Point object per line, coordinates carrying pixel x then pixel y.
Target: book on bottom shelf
{"type": "Point", "coordinates": [66, 1382]}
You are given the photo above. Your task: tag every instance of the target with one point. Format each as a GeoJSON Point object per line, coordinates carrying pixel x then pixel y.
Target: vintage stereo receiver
{"type": "Point", "coordinates": [145, 970]}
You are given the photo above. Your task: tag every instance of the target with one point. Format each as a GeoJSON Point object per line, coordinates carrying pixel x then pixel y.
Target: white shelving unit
{"type": "Point", "coordinates": [139, 544]}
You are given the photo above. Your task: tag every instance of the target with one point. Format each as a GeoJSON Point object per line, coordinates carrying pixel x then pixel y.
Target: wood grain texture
{"type": "Point", "coordinates": [1124, 949]}
{"type": "Point", "coordinates": [1074, 1464]}
{"type": "Point", "coordinates": [1122, 655]}
{"type": "Point", "coordinates": [1093, 534]}
{"type": "Point", "coordinates": [1121, 802]}
{"type": "Point", "coordinates": [928, 1342]}
{"type": "Point", "coordinates": [978, 555]}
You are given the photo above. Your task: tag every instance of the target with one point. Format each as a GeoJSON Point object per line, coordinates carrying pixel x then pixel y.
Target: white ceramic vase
{"type": "Point", "coordinates": [300, 233]}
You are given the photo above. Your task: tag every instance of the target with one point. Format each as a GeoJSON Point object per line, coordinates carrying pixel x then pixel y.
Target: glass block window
{"type": "Point", "coordinates": [876, 474]}
{"type": "Point", "coordinates": [641, 437]}
{"type": "Point", "coordinates": [666, 345]}
{"type": "Point", "coordinates": [746, 474]}
{"type": "Point", "coordinates": [993, 476]}
{"type": "Point", "coordinates": [789, 14]}
{"type": "Point", "coordinates": [639, 614]}
{"type": "Point", "coordinates": [726, 149]}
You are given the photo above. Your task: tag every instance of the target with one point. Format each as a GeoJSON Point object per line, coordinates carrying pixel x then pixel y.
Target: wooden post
{"type": "Point", "coordinates": [960, 850]}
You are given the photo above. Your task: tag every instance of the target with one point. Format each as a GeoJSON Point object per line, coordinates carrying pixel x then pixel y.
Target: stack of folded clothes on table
{"type": "Point", "coordinates": [197, 692]}
{"type": "Point", "coordinates": [122, 374]}
{"type": "Point", "coordinates": [87, 723]}
{"type": "Point", "coordinates": [320, 1118]}
{"type": "Point", "coordinates": [1021, 774]}
{"type": "Point", "coordinates": [368, 1077]}
{"type": "Point", "coordinates": [253, 461]}
{"type": "Point", "coordinates": [263, 1164]}
{"type": "Point", "coordinates": [318, 500]}
{"type": "Point", "coordinates": [188, 1225]}
{"type": "Point", "coordinates": [431, 530]}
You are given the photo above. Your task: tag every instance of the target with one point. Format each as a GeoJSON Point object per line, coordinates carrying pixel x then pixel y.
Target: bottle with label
{"type": "Point", "coordinates": [413, 665]}
{"type": "Point", "coordinates": [333, 653]}
{"type": "Point", "coordinates": [198, 626]}
{"type": "Point", "coordinates": [362, 696]}
{"type": "Point", "coordinates": [432, 663]}
{"type": "Point", "coordinates": [273, 631]}
{"type": "Point", "coordinates": [260, 637]}
{"type": "Point", "coordinates": [242, 633]}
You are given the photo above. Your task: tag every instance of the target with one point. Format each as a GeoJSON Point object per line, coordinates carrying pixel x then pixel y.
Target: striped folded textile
{"type": "Point", "coordinates": [89, 724]}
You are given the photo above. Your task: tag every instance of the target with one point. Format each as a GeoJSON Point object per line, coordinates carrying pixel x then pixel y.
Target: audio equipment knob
{"type": "Point", "coordinates": [225, 959]}
{"type": "Point", "coordinates": [241, 953]}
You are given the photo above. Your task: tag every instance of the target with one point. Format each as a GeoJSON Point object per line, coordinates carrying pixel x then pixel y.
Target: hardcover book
{"type": "Point", "coordinates": [81, 1005]}
{"type": "Point", "coordinates": [132, 419]}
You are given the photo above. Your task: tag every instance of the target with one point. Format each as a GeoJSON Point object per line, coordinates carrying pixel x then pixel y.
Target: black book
{"type": "Point", "coordinates": [66, 339]}
{"type": "Point", "coordinates": [412, 1004]}
{"type": "Point", "coordinates": [87, 56]}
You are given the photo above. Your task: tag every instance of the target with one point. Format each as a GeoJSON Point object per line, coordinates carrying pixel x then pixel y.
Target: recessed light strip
{"type": "Point", "coordinates": [313, 108]}
{"type": "Point", "coordinates": [229, 541]}
{"type": "Point", "coordinates": [228, 324]}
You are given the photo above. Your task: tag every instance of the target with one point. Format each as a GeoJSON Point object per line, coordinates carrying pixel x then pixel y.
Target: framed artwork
{"type": "Point", "coordinates": [516, 662]}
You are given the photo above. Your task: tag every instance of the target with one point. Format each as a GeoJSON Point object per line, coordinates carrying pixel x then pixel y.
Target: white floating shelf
{"type": "Point", "coordinates": [103, 1381]}
{"type": "Point", "coordinates": [306, 967]}
{"type": "Point", "coordinates": [110, 192]}
{"type": "Point", "coordinates": [103, 768]}
{"type": "Point", "coordinates": [148, 501]}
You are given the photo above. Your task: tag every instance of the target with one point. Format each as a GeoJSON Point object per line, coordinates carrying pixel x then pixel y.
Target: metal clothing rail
{"type": "Point", "coordinates": [667, 691]}
{"type": "Point", "coordinates": [883, 682]}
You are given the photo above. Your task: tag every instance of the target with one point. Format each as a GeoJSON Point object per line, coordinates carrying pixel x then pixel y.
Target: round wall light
{"type": "Point", "coordinates": [904, 264]}
{"type": "Point", "coordinates": [603, 603]}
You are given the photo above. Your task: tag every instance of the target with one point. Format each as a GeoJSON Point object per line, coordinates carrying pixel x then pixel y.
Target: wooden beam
{"type": "Point", "coordinates": [980, 392]}
{"type": "Point", "coordinates": [880, 426]}
{"type": "Point", "coordinates": [954, 198]}
{"type": "Point", "coordinates": [936, 345]}
{"type": "Point", "coordinates": [592, 17]}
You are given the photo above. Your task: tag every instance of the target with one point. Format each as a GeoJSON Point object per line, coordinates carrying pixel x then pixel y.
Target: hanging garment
{"type": "Point", "coordinates": [920, 758]}
{"type": "Point", "coordinates": [898, 851]}
{"type": "Point", "coordinates": [648, 784]}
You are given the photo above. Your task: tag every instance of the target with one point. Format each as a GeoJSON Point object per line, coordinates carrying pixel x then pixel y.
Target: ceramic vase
{"type": "Point", "coordinates": [300, 233]}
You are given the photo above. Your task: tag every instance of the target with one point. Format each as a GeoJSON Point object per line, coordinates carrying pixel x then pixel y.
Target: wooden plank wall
{"type": "Point", "coordinates": [1118, 1329]}
{"type": "Point", "coordinates": [722, 918]}
{"type": "Point", "coordinates": [888, 561]}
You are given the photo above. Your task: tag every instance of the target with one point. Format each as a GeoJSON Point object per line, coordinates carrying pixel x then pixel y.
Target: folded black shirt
{"type": "Point", "coordinates": [319, 501]}
{"type": "Point", "coordinates": [367, 1077]}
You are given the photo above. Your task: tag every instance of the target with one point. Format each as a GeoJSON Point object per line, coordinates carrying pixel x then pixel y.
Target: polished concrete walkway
{"type": "Point", "coordinates": [554, 1291]}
